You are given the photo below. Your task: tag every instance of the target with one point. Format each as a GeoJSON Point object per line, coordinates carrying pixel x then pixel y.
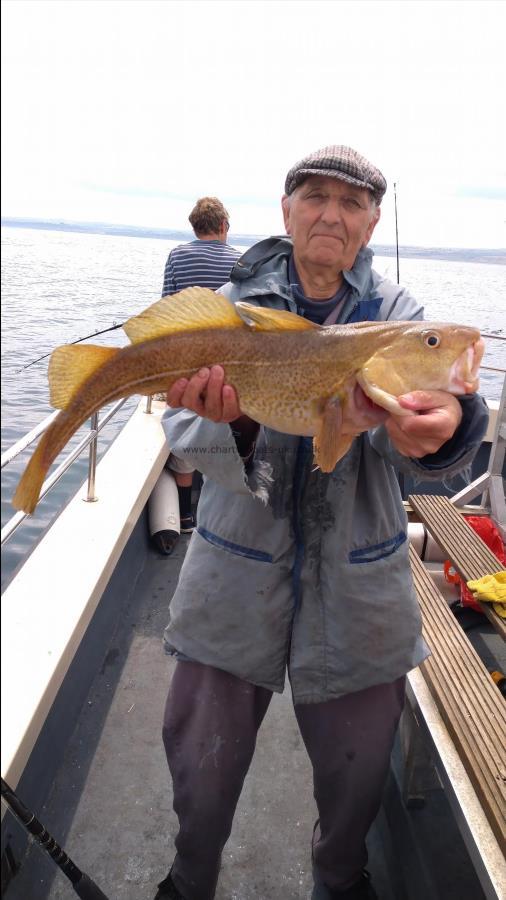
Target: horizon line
{"type": "Point", "coordinates": [252, 237]}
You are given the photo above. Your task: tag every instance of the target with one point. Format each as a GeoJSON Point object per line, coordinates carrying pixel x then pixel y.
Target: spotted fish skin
{"type": "Point", "coordinates": [289, 374]}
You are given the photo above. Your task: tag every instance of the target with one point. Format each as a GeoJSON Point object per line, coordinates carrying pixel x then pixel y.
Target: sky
{"type": "Point", "coordinates": [126, 112]}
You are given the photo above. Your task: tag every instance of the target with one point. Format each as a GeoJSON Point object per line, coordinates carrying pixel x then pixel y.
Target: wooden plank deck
{"type": "Point", "coordinates": [468, 553]}
{"type": "Point", "coordinates": [469, 703]}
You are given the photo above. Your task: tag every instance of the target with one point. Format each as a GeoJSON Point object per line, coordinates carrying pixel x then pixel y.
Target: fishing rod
{"type": "Point", "coordinates": [396, 231]}
{"type": "Point", "coordinates": [82, 883]}
{"type": "Point", "coordinates": [78, 341]}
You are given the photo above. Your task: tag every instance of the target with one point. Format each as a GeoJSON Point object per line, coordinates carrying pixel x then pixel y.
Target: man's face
{"type": "Point", "coordinates": [329, 221]}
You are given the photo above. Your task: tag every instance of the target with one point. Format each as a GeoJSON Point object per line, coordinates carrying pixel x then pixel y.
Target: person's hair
{"type": "Point", "coordinates": [208, 215]}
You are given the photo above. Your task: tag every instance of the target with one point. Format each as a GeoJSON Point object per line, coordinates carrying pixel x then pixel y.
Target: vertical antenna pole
{"type": "Point", "coordinates": [396, 232]}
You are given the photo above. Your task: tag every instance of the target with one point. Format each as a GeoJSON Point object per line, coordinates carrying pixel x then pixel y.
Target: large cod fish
{"type": "Point", "coordinates": [289, 374]}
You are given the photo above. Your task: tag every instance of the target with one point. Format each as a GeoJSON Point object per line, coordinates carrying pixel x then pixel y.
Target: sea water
{"type": "Point", "coordinates": [58, 286]}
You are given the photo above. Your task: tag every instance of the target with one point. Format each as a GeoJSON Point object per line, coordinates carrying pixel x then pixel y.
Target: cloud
{"type": "Point", "coordinates": [138, 121]}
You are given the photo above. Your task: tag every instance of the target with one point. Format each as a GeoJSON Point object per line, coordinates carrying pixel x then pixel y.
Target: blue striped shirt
{"type": "Point", "coordinates": [203, 263]}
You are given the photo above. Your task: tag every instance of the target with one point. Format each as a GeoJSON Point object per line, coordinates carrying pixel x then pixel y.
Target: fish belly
{"type": "Point", "coordinates": [301, 419]}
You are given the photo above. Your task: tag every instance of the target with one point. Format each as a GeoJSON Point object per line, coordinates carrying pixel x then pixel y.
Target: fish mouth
{"type": "Point", "coordinates": [464, 374]}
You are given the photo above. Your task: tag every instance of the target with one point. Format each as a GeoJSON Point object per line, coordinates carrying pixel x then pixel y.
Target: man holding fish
{"type": "Point", "coordinates": [300, 561]}
{"type": "Point", "coordinates": [299, 392]}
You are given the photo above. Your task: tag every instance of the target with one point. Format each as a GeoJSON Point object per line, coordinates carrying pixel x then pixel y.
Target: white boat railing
{"type": "Point", "coordinates": [91, 441]}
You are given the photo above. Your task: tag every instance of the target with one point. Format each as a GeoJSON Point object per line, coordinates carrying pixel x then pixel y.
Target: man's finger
{"type": "Point", "coordinates": [175, 393]}
{"type": "Point", "coordinates": [192, 397]}
{"type": "Point", "coordinates": [214, 401]}
{"type": "Point", "coordinates": [231, 409]}
{"type": "Point", "coordinates": [416, 400]}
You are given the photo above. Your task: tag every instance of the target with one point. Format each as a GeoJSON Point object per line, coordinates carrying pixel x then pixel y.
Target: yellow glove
{"type": "Point", "coordinates": [491, 589]}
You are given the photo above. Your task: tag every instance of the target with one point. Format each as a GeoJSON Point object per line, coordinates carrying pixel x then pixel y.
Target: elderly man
{"type": "Point", "coordinates": [316, 581]}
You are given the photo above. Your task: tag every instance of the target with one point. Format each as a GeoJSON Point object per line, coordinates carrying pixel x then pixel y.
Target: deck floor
{"type": "Point", "coordinates": [111, 804]}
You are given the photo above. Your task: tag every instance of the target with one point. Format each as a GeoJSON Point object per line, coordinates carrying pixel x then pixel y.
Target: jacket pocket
{"type": "Point", "coordinates": [373, 552]}
{"type": "Point", "coordinates": [231, 547]}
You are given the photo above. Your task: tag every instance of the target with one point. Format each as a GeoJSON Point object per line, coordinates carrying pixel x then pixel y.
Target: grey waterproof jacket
{"type": "Point", "coordinates": [290, 568]}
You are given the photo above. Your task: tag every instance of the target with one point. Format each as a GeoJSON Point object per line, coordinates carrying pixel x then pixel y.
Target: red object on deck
{"type": "Point", "coordinates": [484, 528]}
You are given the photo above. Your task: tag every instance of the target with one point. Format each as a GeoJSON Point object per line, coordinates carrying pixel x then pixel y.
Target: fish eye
{"type": "Point", "coordinates": [432, 340]}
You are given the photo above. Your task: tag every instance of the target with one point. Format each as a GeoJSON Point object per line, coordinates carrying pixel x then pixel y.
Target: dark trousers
{"type": "Point", "coordinates": [210, 728]}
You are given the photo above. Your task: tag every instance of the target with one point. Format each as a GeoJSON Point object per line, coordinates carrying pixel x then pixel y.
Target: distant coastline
{"type": "Point", "coordinates": [457, 254]}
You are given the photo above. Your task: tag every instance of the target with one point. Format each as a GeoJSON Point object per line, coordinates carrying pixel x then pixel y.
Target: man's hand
{"type": "Point", "coordinates": [438, 416]}
{"type": "Point", "coordinates": [207, 395]}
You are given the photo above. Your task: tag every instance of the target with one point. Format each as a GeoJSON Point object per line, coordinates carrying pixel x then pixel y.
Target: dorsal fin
{"type": "Point", "coordinates": [189, 310]}
{"type": "Point", "coordinates": [273, 319]}
{"type": "Point", "coordinates": [70, 366]}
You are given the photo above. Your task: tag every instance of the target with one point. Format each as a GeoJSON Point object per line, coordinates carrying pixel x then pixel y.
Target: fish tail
{"type": "Point", "coordinates": [28, 490]}
{"type": "Point", "coordinates": [78, 383]}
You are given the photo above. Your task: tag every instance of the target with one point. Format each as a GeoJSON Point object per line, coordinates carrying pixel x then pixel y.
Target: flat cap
{"type": "Point", "coordinates": [339, 162]}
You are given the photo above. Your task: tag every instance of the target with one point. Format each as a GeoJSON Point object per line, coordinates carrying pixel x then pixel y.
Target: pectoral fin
{"type": "Point", "coordinates": [329, 444]}
{"type": "Point", "coordinates": [262, 319]}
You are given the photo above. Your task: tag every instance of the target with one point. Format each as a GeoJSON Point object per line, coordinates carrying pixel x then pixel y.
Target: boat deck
{"type": "Point", "coordinates": [110, 805]}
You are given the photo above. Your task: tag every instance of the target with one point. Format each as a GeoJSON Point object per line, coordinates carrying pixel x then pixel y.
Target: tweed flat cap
{"type": "Point", "coordinates": [339, 162]}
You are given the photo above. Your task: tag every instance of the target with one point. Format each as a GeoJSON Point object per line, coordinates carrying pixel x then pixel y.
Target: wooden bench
{"type": "Point", "coordinates": [468, 553]}
{"type": "Point", "coordinates": [456, 722]}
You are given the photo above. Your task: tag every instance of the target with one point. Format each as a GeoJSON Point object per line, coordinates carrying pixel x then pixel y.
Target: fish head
{"type": "Point", "coordinates": [430, 356]}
